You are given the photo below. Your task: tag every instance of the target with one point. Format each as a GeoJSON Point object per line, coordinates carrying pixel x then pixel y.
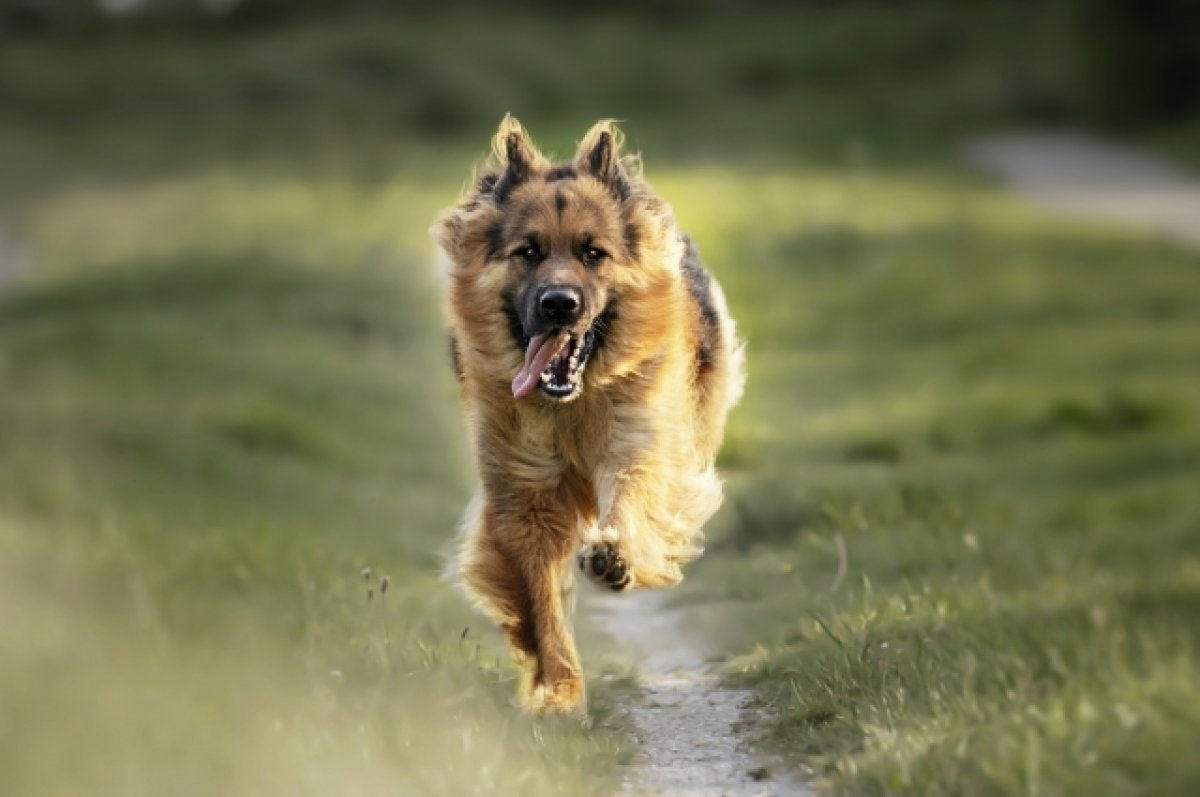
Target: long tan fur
{"type": "Point", "coordinates": [617, 481]}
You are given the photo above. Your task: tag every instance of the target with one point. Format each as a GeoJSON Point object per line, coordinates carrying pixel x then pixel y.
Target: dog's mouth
{"type": "Point", "coordinates": [554, 363]}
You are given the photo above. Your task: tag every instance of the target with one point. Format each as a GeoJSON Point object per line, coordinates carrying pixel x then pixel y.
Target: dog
{"type": "Point", "coordinates": [597, 362]}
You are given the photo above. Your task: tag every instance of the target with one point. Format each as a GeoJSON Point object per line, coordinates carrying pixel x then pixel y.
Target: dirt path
{"type": "Point", "coordinates": [1080, 175]}
{"type": "Point", "coordinates": [686, 722]}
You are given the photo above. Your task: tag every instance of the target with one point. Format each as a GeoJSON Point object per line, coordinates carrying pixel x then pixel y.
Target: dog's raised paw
{"type": "Point", "coordinates": [604, 564]}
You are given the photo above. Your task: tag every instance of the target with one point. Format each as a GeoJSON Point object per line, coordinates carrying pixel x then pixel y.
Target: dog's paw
{"type": "Point", "coordinates": [564, 697]}
{"type": "Point", "coordinates": [603, 563]}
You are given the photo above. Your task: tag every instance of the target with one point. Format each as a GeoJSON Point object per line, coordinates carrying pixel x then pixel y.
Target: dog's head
{"type": "Point", "coordinates": [558, 272]}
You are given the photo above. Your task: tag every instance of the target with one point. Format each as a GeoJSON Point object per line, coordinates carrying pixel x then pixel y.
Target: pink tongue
{"type": "Point", "coordinates": [539, 353]}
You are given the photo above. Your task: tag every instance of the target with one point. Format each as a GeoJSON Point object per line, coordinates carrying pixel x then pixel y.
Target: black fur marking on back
{"type": "Point", "coordinates": [564, 172]}
{"type": "Point", "coordinates": [699, 285]}
{"type": "Point", "coordinates": [455, 356]}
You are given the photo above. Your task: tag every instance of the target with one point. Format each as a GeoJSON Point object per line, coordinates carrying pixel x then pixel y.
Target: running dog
{"type": "Point", "coordinates": [597, 362]}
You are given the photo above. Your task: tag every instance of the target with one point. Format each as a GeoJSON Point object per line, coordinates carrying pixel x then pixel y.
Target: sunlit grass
{"type": "Point", "coordinates": [222, 400]}
{"type": "Point", "coordinates": [993, 414]}
{"type": "Point", "coordinates": [105, 690]}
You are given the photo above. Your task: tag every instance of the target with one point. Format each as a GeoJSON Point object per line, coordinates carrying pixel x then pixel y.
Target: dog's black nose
{"type": "Point", "coordinates": [560, 304]}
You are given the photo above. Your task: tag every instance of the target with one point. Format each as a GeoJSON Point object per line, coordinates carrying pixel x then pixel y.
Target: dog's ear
{"type": "Point", "coordinates": [599, 155]}
{"type": "Point", "coordinates": [516, 154]}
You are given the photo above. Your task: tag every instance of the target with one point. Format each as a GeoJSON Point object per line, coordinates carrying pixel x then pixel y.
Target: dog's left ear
{"type": "Point", "coordinates": [600, 156]}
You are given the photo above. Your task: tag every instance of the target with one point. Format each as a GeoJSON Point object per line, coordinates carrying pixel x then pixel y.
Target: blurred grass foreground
{"type": "Point", "coordinates": [961, 553]}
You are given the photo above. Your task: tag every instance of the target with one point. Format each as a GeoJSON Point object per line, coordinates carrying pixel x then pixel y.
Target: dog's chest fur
{"type": "Point", "coordinates": [576, 435]}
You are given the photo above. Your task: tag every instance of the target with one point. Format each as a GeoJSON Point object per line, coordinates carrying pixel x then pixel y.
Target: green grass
{"type": "Point", "coordinates": [1003, 432]}
{"type": "Point", "coordinates": [223, 394]}
{"type": "Point", "coordinates": [996, 414]}
{"type": "Point", "coordinates": [204, 443]}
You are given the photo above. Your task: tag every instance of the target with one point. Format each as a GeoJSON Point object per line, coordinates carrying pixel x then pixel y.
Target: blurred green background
{"type": "Point", "coordinates": [225, 414]}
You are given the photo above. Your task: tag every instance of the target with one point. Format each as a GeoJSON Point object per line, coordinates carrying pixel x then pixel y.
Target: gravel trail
{"type": "Point", "coordinates": [686, 722]}
{"type": "Point", "coordinates": [1084, 176]}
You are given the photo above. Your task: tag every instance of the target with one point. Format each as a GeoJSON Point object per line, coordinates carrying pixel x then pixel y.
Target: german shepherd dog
{"type": "Point", "coordinates": [597, 362]}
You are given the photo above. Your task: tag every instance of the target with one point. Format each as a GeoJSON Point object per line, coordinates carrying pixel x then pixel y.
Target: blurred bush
{"type": "Point", "coordinates": [1116, 63]}
{"type": "Point", "coordinates": [1140, 60]}
{"type": "Point", "coordinates": [91, 16]}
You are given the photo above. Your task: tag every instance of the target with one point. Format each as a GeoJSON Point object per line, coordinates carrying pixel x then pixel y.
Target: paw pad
{"type": "Point", "coordinates": [604, 564]}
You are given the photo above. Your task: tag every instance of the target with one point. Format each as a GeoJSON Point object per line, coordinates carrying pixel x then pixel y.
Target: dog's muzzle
{"type": "Point", "coordinates": [554, 363]}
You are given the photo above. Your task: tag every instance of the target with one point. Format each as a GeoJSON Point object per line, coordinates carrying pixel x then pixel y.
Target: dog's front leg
{"type": "Point", "coordinates": [516, 563]}
{"type": "Point", "coordinates": [642, 538]}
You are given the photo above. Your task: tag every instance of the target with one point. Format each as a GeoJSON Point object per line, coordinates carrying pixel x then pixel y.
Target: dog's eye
{"type": "Point", "coordinates": [529, 254]}
{"type": "Point", "coordinates": [593, 254]}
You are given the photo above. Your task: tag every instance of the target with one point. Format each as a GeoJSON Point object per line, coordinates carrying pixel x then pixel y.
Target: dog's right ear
{"type": "Point", "coordinates": [516, 154]}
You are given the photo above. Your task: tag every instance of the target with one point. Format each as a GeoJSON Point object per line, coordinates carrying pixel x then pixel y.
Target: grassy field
{"type": "Point", "coordinates": [996, 417]}
{"type": "Point", "coordinates": [223, 396]}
